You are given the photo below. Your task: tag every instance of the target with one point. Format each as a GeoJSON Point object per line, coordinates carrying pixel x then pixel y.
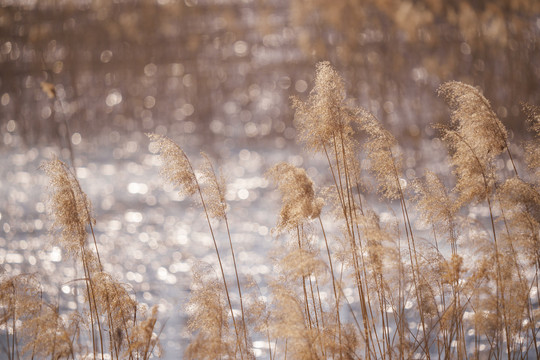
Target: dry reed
{"type": "Point", "coordinates": [375, 288]}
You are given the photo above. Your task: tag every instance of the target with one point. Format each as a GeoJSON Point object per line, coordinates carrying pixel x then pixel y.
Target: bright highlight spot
{"type": "Point", "coordinates": [243, 194]}
{"type": "Point", "coordinates": [133, 216]}
{"type": "Point", "coordinates": [137, 188]}
{"type": "Point", "coordinates": [56, 254]}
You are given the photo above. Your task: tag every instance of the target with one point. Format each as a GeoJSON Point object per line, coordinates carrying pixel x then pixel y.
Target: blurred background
{"type": "Point", "coordinates": [226, 69]}
{"type": "Point", "coordinates": [218, 76]}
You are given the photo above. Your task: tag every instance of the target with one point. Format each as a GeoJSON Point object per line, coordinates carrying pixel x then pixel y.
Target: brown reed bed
{"type": "Point", "coordinates": [377, 288]}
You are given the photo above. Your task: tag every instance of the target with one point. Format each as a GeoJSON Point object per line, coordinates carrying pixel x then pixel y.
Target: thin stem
{"type": "Point", "coordinates": [316, 317]}
{"type": "Point", "coordinates": [333, 286]}
{"type": "Point", "coordinates": [414, 264]}
{"type": "Point", "coordinates": [308, 315]}
{"type": "Point", "coordinates": [68, 135]}
{"type": "Point", "coordinates": [341, 195]}
{"type": "Point", "coordinates": [220, 265]}
{"type": "Point", "coordinates": [213, 179]}
{"type": "Point", "coordinates": [238, 284]}
{"type": "Point", "coordinates": [199, 191]}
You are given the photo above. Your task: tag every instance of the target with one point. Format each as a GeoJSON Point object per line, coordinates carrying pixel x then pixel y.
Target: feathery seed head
{"type": "Point", "coordinates": [19, 297]}
{"type": "Point", "coordinates": [375, 235]}
{"type": "Point", "coordinates": [474, 118]}
{"type": "Point", "coordinates": [113, 299]}
{"type": "Point", "coordinates": [532, 147]}
{"type": "Point", "coordinates": [175, 165]}
{"type": "Point", "coordinates": [300, 263]}
{"type": "Point", "coordinates": [477, 138]}
{"type": "Point", "coordinates": [324, 115]}
{"type": "Point", "coordinates": [521, 204]}
{"type": "Point", "coordinates": [383, 153]}
{"type": "Point", "coordinates": [298, 196]}
{"type": "Point", "coordinates": [452, 269]}
{"type": "Point", "coordinates": [214, 189]}
{"type": "Point", "coordinates": [289, 322]}
{"type": "Point", "coordinates": [208, 316]}
{"type": "Point", "coordinates": [69, 206]}
{"type": "Point", "coordinates": [515, 191]}
{"type": "Point", "coordinates": [143, 341]}
{"type": "Point", "coordinates": [533, 117]}
{"type": "Point", "coordinates": [433, 201]}
{"type": "Point", "coordinates": [48, 335]}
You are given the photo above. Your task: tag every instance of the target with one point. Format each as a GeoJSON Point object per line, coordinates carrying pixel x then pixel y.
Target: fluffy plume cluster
{"type": "Point", "coordinates": [214, 189]}
{"type": "Point", "coordinates": [376, 235]}
{"type": "Point", "coordinates": [69, 207]}
{"type": "Point", "coordinates": [143, 341]}
{"type": "Point", "coordinates": [521, 204]}
{"type": "Point", "coordinates": [434, 202]}
{"type": "Point", "coordinates": [32, 321]}
{"type": "Point", "coordinates": [299, 203]}
{"type": "Point", "coordinates": [208, 317]}
{"type": "Point", "coordinates": [471, 113]}
{"type": "Point", "coordinates": [302, 262]}
{"type": "Point", "coordinates": [326, 124]}
{"type": "Point", "coordinates": [383, 153]}
{"type": "Point", "coordinates": [289, 322]}
{"type": "Point", "coordinates": [324, 117]}
{"type": "Point", "coordinates": [112, 298]}
{"type": "Point", "coordinates": [176, 168]}
{"type": "Point", "coordinates": [48, 335]}
{"type": "Point", "coordinates": [532, 148]}
{"type": "Point", "coordinates": [111, 309]}
{"type": "Point", "coordinates": [17, 295]}
{"type": "Point", "coordinates": [476, 138]}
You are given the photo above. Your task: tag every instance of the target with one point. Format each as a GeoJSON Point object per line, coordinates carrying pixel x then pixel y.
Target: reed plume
{"type": "Point", "coordinates": [69, 208]}
{"type": "Point", "coordinates": [48, 335]}
{"type": "Point", "coordinates": [324, 116]}
{"type": "Point", "coordinates": [437, 207]}
{"type": "Point", "coordinates": [214, 192]}
{"type": "Point", "coordinates": [70, 211]}
{"type": "Point", "coordinates": [476, 139]}
{"type": "Point", "coordinates": [521, 203]}
{"type": "Point", "coordinates": [290, 324]}
{"type": "Point", "coordinates": [386, 166]}
{"type": "Point", "coordinates": [177, 169]}
{"type": "Point", "coordinates": [532, 147]}
{"type": "Point", "coordinates": [327, 124]}
{"type": "Point", "coordinates": [19, 300]}
{"type": "Point", "coordinates": [299, 203]}
{"type": "Point", "coordinates": [143, 341]}
{"type": "Point", "coordinates": [383, 153]}
{"type": "Point", "coordinates": [120, 308]}
{"type": "Point", "coordinates": [111, 308]}
{"type": "Point", "coordinates": [299, 206]}
{"type": "Point", "coordinates": [208, 317]}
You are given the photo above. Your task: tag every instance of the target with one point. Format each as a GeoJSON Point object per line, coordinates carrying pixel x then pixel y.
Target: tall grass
{"type": "Point", "coordinates": [410, 275]}
{"type": "Point", "coordinates": [112, 320]}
